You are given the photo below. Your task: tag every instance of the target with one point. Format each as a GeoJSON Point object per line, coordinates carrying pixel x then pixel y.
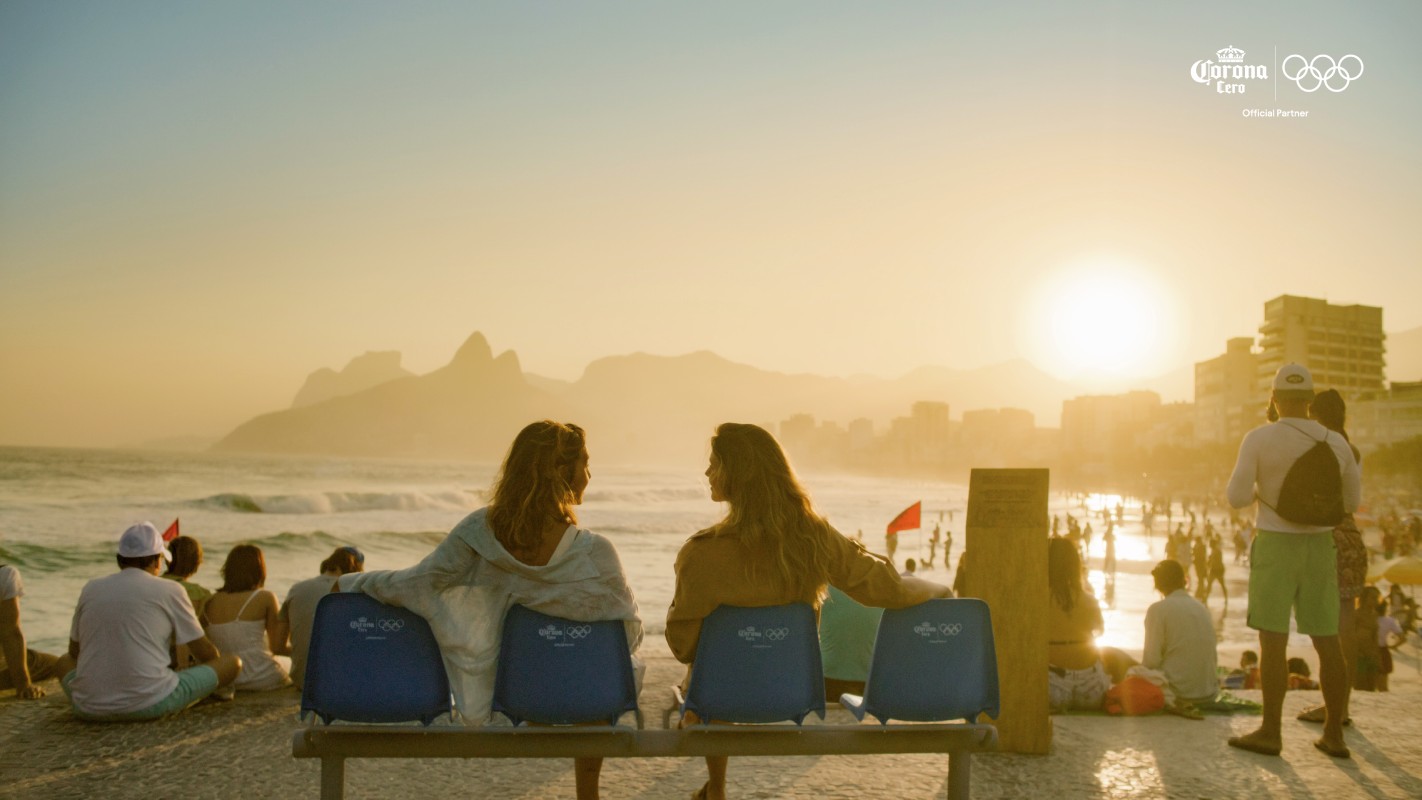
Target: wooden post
{"type": "Point", "coordinates": [1006, 566]}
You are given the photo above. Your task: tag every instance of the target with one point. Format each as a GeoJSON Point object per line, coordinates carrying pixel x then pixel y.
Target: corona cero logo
{"type": "Point", "coordinates": [1228, 71]}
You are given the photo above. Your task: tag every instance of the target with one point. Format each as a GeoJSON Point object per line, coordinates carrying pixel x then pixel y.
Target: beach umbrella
{"type": "Point", "coordinates": [1405, 571]}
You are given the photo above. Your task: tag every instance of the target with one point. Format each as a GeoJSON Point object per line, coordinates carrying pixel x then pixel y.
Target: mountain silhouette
{"type": "Point", "coordinates": [363, 372]}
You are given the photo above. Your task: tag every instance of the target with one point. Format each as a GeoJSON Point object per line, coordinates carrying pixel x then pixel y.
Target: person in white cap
{"type": "Point", "coordinates": [1293, 569]}
{"type": "Point", "coordinates": [123, 627]}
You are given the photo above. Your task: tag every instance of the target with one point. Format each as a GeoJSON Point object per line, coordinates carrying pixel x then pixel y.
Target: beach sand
{"type": "Point", "coordinates": [242, 749]}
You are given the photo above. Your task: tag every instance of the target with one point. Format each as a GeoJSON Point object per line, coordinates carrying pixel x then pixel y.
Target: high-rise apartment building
{"type": "Point", "coordinates": [1228, 401]}
{"type": "Point", "coordinates": [1341, 345]}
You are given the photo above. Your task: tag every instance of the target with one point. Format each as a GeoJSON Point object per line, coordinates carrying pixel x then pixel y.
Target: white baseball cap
{"type": "Point", "coordinates": [142, 539]}
{"type": "Point", "coordinates": [1294, 379]}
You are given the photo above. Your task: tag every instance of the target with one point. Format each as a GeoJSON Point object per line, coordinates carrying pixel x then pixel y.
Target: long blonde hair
{"type": "Point", "coordinates": [770, 512]}
{"type": "Point", "coordinates": [534, 486]}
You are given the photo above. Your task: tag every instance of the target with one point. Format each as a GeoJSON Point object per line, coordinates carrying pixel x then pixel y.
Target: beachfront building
{"type": "Point", "coordinates": [1387, 417]}
{"type": "Point", "coordinates": [1098, 429]}
{"type": "Point", "coordinates": [1341, 345]}
{"type": "Point", "coordinates": [997, 437]}
{"type": "Point", "coordinates": [927, 430]}
{"type": "Point", "coordinates": [1228, 402]}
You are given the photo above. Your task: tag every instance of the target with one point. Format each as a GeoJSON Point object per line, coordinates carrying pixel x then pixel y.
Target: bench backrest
{"type": "Point", "coordinates": [757, 665]}
{"type": "Point", "coordinates": [370, 662]}
{"type": "Point", "coordinates": [554, 671]}
{"type": "Point", "coordinates": [933, 662]}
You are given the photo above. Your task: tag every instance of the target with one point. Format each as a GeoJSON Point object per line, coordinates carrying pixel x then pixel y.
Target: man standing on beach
{"type": "Point", "coordinates": [123, 628]}
{"type": "Point", "coordinates": [1294, 564]}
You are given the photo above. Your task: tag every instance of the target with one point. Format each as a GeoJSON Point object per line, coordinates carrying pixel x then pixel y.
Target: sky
{"type": "Point", "coordinates": [201, 203]}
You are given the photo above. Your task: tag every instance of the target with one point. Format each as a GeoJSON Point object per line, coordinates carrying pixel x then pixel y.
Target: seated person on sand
{"type": "Point", "coordinates": [1246, 676]}
{"type": "Point", "coordinates": [1076, 678]}
{"type": "Point", "coordinates": [187, 557]}
{"type": "Point", "coordinates": [1180, 639]}
{"type": "Point", "coordinates": [122, 629]}
{"type": "Point", "coordinates": [22, 669]}
{"type": "Point", "coordinates": [1300, 676]}
{"type": "Point", "coordinates": [299, 610]}
{"type": "Point", "coordinates": [524, 547]}
{"type": "Point", "coordinates": [771, 548]}
{"type": "Point", "coordinates": [847, 633]}
{"type": "Point", "coordinates": [242, 619]}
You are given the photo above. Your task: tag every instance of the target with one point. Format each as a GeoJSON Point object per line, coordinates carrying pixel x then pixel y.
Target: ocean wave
{"type": "Point", "coordinates": [38, 558]}
{"type": "Point", "coordinates": [342, 502]}
{"type": "Point", "coordinates": [648, 496]}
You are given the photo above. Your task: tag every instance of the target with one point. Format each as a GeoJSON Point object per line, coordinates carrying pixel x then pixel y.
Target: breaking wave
{"type": "Point", "coordinates": [341, 502]}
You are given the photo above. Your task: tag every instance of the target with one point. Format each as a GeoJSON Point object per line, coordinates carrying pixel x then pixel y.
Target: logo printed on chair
{"type": "Point", "coordinates": [560, 634]}
{"type": "Point", "coordinates": [391, 625]}
{"type": "Point", "coordinates": [362, 625]}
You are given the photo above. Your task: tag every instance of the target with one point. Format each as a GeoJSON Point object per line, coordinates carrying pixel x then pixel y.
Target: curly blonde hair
{"type": "Point", "coordinates": [534, 486]}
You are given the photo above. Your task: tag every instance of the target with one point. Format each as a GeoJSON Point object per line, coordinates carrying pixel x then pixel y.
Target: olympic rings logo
{"type": "Point", "coordinates": [391, 625]}
{"type": "Point", "coordinates": [579, 631]}
{"type": "Point", "coordinates": [1309, 74]}
{"type": "Point", "coordinates": [951, 628]}
{"type": "Point", "coordinates": [777, 634]}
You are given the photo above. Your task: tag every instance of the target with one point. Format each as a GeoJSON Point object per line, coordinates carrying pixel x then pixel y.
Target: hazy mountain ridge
{"type": "Point", "coordinates": [636, 406]}
{"type": "Point", "coordinates": [361, 373]}
{"type": "Point", "coordinates": [469, 408]}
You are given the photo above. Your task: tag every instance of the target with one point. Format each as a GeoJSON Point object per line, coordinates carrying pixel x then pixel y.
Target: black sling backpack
{"type": "Point", "coordinates": [1312, 493]}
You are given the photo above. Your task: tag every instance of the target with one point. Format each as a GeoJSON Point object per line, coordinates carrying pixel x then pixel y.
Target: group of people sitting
{"type": "Point", "coordinates": [1179, 655]}
{"type": "Point", "coordinates": [771, 548]}
{"type": "Point", "coordinates": [141, 647]}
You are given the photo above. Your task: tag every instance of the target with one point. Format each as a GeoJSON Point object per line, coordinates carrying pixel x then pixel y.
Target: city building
{"type": "Point", "coordinates": [1387, 417]}
{"type": "Point", "coordinates": [1228, 400]}
{"type": "Point", "coordinates": [1341, 345]}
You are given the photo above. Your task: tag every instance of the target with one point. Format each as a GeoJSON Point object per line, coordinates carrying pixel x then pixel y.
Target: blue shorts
{"type": "Point", "coordinates": [194, 684]}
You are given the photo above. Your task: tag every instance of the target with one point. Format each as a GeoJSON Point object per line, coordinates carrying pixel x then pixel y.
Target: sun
{"type": "Point", "coordinates": [1099, 319]}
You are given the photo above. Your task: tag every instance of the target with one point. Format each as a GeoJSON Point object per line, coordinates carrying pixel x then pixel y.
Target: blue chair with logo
{"type": "Point", "coordinates": [757, 665]}
{"type": "Point", "coordinates": [370, 662]}
{"type": "Point", "coordinates": [554, 671]}
{"type": "Point", "coordinates": [932, 662]}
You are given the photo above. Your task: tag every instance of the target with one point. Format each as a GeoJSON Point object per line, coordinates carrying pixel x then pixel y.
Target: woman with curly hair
{"type": "Point", "coordinates": [525, 547]}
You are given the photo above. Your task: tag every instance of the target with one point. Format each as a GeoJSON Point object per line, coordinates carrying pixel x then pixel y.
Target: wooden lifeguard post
{"type": "Point", "coordinates": [1006, 555]}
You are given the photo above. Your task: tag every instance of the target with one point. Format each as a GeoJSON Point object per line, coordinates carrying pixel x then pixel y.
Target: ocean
{"type": "Point", "coordinates": [62, 510]}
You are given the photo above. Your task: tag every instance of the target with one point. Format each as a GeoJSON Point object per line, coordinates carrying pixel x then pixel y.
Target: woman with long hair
{"type": "Point", "coordinates": [1329, 410]}
{"type": "Point", "coordinates": [525, 547]}
{"type": "Point", "coordinates": [1077, 678]}
{"type": "Point", "coordinates": [771, 548]}
{"type": "Point", "coordinates": [242, 618]}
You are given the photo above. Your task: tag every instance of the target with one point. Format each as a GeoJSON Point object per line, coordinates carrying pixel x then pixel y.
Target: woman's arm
{"type": "Point", "coordinates": [278, 630]}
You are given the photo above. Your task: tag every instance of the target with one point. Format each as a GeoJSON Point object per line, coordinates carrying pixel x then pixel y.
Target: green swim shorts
{"type": "Point", "coordinates": [1294, 572]}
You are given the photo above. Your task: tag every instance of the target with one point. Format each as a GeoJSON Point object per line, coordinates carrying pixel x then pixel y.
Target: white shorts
{"type": "Point", "coordinates": [1082, 689]}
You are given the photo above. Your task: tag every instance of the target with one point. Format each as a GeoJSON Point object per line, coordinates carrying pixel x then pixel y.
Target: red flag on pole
{"type": "Point", "coordinates": [908, 519]}
{"type": "Point", "coordinates": [172, 532]}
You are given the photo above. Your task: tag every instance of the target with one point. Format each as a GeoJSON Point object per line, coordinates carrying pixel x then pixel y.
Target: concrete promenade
{"type": "Point", "coordinates": [241, 749]}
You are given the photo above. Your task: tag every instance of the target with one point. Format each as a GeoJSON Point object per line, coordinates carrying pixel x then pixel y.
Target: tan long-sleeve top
{"type": "Point", "coordinates": [713, 568]}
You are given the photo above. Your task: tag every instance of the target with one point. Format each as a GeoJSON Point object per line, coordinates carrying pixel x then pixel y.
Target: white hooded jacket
{"type": "Point", "coordinates": [465, 587]}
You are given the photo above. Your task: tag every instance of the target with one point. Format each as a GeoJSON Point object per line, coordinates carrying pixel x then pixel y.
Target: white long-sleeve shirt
{"type": "Point", "coordinates": [1265, 456]}
{"type": "Point", "coordinates": [464, 588]}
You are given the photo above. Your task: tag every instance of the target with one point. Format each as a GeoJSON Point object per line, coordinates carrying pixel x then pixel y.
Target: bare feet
{"type": "Point", "coordinates": [1257, 742]}
{"type": "Point", "coordinates": [1317, 714]}
{"type": "Point", "coordinates": [1338, 750]}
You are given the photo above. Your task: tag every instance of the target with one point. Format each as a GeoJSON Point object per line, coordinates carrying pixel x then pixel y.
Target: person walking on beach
{"type": "Point", "coordinates": [123, 626]}
{"type": "Point", "coordinates": [21, 668]}
{"type": "Point", "coordinates": [933, 545]}
{"type": "Point", "coordinates": [1294, 569]}
{"type": "Point", "coordinates": [1108, 565]}
{"type": "Point", "coordinates": [299, 610]}
{"type": "Point", "coordinates": [771, 548]}
{"type": "Point", "coordinates": [524, 547]}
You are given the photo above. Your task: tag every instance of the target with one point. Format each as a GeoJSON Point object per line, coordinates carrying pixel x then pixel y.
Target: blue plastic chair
{"type": "Point", "coordinates": [933, 662]}
{"type": "Point", "coordinates": [757, 665]}
{"type": "Point", "coordinates": [554, 671]}
{"type": "Point", "coordinates": [370, 662]}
